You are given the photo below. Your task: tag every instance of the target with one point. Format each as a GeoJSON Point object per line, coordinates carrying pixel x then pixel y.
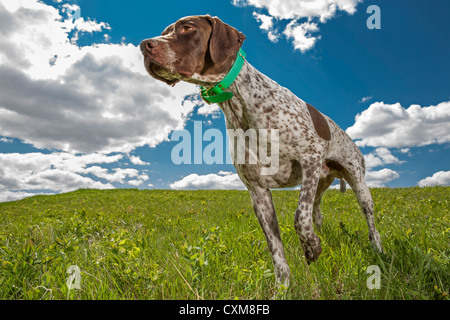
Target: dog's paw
{"type": "Point", "coordinates": [312, 249]}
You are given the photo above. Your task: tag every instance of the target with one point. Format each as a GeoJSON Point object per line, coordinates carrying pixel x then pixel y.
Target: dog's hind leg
{"type": "Point", "coordinates": [355, 178]}
{"type": "Point", "coordinates": [324, 184]}
{"type": "Point", "coordinates": [365, 201]}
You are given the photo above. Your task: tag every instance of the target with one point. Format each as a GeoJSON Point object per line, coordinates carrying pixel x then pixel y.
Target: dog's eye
{"type": "Point", "coordinates": [187, 29]}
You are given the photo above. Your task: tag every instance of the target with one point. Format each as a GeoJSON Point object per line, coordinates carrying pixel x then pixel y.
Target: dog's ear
{"type": "Point", "coordinates": [224, 42]}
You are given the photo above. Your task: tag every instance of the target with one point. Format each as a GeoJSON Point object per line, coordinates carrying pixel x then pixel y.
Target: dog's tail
{"type": "Point", "coordinates": [343, 185]}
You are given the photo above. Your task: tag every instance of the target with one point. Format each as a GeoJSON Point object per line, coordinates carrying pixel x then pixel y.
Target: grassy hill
{"type": "Point", "coordinates": [163, 244]}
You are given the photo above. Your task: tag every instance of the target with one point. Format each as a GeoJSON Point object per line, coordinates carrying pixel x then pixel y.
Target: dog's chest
{"type": "Point", "coordinates": [261, 103]}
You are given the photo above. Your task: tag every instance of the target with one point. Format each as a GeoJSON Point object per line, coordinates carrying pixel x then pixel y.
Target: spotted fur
{"type": "Point", "coordinates": [313, 150]}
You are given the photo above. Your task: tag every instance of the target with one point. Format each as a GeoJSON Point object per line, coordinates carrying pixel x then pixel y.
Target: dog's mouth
{"type": "Point", "coordinates": [159, 72]}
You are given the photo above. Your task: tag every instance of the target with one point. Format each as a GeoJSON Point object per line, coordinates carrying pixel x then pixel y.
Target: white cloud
{"type": "Point", "coordinates": [441, 178]}
{"type": "Point", "coordinates": [209, 109]}
{"type": "Point", "coordinates": [294, 11]}
{"type": "Point", "coordinates": [60, 95]}
{"type": "Point", "coordinates": [29, 173]}
{"type": "Point", "coordinates": [387, 156]}
{"type": "Point", "coordinates": [225, 173]}
{"type": "Point", "coordinates": [59, 160]}
{"type": "Point", "coordinates": [16, 195]}
{"type": "Point", "coordinates": [221, 181]}
{"type": "Point", "coordinates": [372, 160]}
{"type": "Point", "coordinates": [77, 22]}
{"type": "Point", "coordinates": [267, 25]}
{"type": "Point", "coordinates": [381, 156]}
{"type": "Point", "coordinates": [301, 34]}
{"type": "Point", "coordinates": [135, 182]}
{"type": "Point", "coordinates": [95, 102]}
{"type": "Point", "coordinates": [61, 181]}
{"type": "Point", "coordinates": [392, 126]}
{"type": "Point", "coordinates": [194, 101]}
{"type": "Point", "coordinates": [380, 177]}
{"type": "Point", "coordinates": [375, 179]}
{"type": "Point", "coordinates": [140, 180]}
{"type": "Point", "coordinates": [266, 21]}
{"type": "Point", "coordinates": [365, 99]}
{"type": "Point", "coordinates": [118, 175]}
{"type": "Point", "coordinates": [138, 161]}
{"type": "Point", "coordinates": [6, 140]}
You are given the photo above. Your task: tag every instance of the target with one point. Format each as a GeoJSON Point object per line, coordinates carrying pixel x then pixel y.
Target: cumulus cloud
{"type": "Point", "coordinates": [209, 109]}
{"type": "Point", "coordinates": [392, 126]}
{"type": "Point", "coordinates": [267, 25]}
{"type": "Point", "coordinates": [381, 177]}
{"type": "Point", "coordinates": [375, 179]}
{"type": "Point", "coordinates": [76, 21]}
{"type": "Point", "coordinates": [119, 175]}
{"type": "Point", "coordinates": [57, 94]}
{"type": "Point", "coordinates": [266, 21]}
{"type": "Point", "coordinates": [7, 195]}
{"type": "Point", "coordinates": [441, 178]}
{"type": "Point", "coordinates": [301, 34]}
{"type": "Point", "coordinates": [22, 175]}
{"type": "Point", "coordinates": [381, 156]}
{"type": "Point", "coordinates": [302, 16]}
{"type": "Point", "coordinates": [96, 103]}
{"type": "Point", "coordinates": [294, 9]}
{"type": "Point", "coordinates": [221, 181]}
{"type": "Point", "coordinates": [193, 101]}
{"type": "Point", "coordinates": [138, 161]}
{"type": "Point", "coordinates": [6, 140]}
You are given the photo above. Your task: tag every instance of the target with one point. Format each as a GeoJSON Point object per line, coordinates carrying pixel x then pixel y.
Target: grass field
{"type": "Point", "coordinates": [163, 244]}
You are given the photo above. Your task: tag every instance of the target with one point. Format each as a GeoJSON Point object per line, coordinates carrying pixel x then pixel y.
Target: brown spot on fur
{"type": "Point", "coordinates": [268, 109]}
{"type": "Point", "coordinates": [320, 123]}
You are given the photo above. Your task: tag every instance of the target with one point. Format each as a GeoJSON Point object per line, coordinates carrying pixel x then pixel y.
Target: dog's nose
{"type": "Point", "coordinates": [148, 45]}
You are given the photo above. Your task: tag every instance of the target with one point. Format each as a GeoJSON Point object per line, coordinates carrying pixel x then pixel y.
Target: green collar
{"type": "Point", "coordinates": [217, 93]}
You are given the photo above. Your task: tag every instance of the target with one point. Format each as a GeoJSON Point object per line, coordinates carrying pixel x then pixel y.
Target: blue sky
{"type": "Point", "coordinates": [78, 111]}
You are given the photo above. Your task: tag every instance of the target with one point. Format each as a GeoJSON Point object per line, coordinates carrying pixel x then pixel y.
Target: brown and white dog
{"type": "Point", "coordinates": [313, 150]}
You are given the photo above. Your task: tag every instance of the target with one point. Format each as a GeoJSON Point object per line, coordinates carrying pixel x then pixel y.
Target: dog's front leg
{"type": "Point", "coordinates": [265, 212]}
{"type": "Point", "coordinates": [303, 218]}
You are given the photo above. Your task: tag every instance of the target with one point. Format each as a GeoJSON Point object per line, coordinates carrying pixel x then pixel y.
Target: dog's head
{"type": "Point", "coordinates": [196, 49]}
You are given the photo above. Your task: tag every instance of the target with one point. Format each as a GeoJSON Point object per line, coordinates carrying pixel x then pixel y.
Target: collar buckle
{"type": "Point", "coordinates": [217, 93]}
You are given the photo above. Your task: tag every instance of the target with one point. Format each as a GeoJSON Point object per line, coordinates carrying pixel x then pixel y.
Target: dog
{"type": "Point", "coordinates": [313, 150]}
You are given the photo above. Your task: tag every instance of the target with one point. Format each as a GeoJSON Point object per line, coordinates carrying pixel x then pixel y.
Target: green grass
{"type": "Point", "coordinates": [162, 244]}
